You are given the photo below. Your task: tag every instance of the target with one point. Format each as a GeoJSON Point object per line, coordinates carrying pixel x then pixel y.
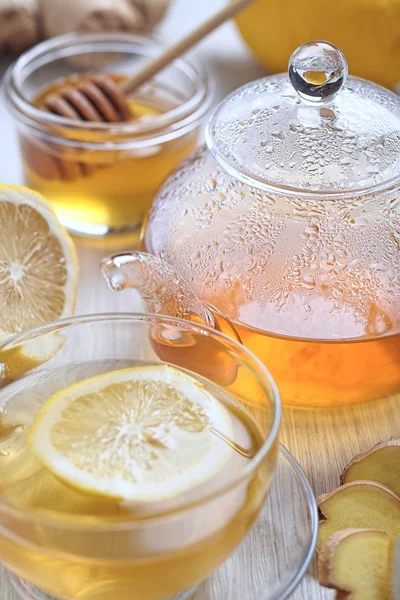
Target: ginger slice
{"type": "Point", "coordinates": [360, 504]}
{"type": "Point", "coordinates": [380, 464]}
{"type": "Point", "coordinates": [356, 563]}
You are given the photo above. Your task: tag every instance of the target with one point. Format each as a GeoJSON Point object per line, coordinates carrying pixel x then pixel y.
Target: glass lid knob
{"type": "Point", "coordinates": [317, 71]}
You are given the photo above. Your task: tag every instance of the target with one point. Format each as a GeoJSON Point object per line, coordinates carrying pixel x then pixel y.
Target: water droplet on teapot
{"type": "Point", "coordinates": [312, 229]}
{"type": "Point", "coordinates": [394, 203]}
{"type": "Point", "coordinates": [317, 71]}
{"type": "Point", "coordinates": [327, 265]}
{"type": "Point", "coordinates": [396, 237]}
{"type": "Point", "coordinates": [267, 148]}
{"type": "Point", "coordinates": [307, 282]}
{"type": "Point", "coordinates": [359, 221]}
{"type": "Point", "coordinates": [211, 183]}
{"type": "Point", "coordinates": [278, 134]}
{"type": "Point", "coordinates": [341, 262]}
{"type": "Point", "coordinates": [378, 321]}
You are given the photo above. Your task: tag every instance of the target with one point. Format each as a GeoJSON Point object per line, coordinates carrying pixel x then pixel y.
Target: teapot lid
{"type": "Point", "coordinates": [312, 130]}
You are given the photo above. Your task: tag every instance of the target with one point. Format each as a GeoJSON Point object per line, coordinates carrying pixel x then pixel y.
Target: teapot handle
{"type": "Point", "coordinates": [163, 291]}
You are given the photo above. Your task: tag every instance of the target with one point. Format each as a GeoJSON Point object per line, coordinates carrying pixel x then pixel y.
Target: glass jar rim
{"type": "Point", "coordinates": [88, 523]}
{"type": "Point", "coordinates": [170, 124]}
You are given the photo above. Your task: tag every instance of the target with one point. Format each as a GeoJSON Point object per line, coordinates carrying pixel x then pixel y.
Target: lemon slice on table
{"type": "Point", "coordinates": [142, 434]}
{"type": "Point", "coordinates": [38, 270]}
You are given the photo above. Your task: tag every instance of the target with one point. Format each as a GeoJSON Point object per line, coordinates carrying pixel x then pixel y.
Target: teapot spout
{"type": "Point", "coordinates": [163, 291]}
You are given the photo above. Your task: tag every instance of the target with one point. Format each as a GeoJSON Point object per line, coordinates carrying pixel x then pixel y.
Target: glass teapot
{"type": "Point", "coordinates": [285, 231]}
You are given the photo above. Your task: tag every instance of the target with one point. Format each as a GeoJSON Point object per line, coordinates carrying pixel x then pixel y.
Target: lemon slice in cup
{"type": "Point", "coordinates": [142, 434]}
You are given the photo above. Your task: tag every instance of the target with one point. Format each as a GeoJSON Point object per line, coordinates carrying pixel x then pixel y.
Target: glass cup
{"type": "Point", "coordinates": [102, 177]}
{"type": "Point", "coordinates": [153, 556]}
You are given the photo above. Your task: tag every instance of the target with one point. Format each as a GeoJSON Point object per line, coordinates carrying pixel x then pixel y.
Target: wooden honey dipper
{"type": "Point", "coordinates": [101, 99]}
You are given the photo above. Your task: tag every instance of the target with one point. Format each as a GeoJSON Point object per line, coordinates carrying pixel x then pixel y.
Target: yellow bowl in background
{"type": "Point", "coordinates": [367, 31]}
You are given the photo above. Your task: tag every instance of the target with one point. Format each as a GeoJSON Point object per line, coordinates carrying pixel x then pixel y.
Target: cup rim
{"type": "Point", "coordinates": [85, 522]}
{"type": "Point", "coordinates": [175, 122]}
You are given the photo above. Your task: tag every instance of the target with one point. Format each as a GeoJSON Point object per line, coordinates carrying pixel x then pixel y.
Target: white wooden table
{"type": "Point", "coordinates": [322, 441]}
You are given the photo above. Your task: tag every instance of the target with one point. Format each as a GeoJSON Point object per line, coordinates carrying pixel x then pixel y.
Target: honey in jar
{"type": "Point", "coordinates": [108, 188]}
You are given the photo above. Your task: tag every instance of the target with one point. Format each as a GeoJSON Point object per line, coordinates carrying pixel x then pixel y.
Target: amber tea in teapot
{"type": "Point", "coordinates": [290, 225]}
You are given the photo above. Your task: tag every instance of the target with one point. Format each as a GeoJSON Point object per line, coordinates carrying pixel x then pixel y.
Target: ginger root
{"type": "Point", "coordinates": [359, 536]}
{"type": "Point", "coordinates": [19, 24]}
{"type": "Point", "coordinates": [380, 464]}
{"type": "Point", "coordinates": [360, 504]}
{"type": "Point", "coordinates": [153, 10]}
{"type": "Point", "coordinates": [25, 22]}
{"type": "Point", "coordinates": [358, 564]}
{"type": "Point", "coordinates": [60, 17]}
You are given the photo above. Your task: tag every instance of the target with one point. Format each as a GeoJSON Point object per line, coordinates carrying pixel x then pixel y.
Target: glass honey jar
{"type": "Point", "coordinates": [101, 177]}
